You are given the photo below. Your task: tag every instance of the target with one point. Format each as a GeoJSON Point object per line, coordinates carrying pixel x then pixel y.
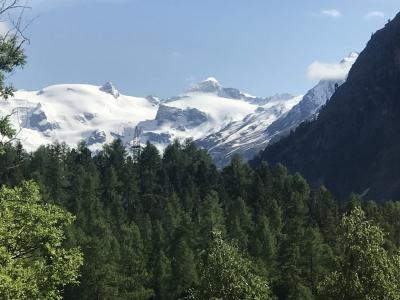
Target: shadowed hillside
{"type": "Point", "coordinates": [354, 145]}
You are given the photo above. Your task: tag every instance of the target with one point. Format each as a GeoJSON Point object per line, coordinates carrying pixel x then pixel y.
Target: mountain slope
{"type": "Point", "coordinates": [353, 145]}
{"type": "Point", "coordinates": [205, 109]}
{"type": "Point", "coordinates": [247, 136]}
{"type": "Point", "coordinates": [75, 112]}
{"type": "Point", "coordinates": [72, 112]}
{"type": "Point", "coordinates": [275, 118]}
{"type": "Point", "coordinates": [310, 104]}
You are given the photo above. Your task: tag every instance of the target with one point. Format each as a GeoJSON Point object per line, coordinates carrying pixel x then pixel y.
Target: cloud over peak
{"type": "Point", "coordinates": [331, 71]}
{"type": "Point", "coordinates": [374, 14]}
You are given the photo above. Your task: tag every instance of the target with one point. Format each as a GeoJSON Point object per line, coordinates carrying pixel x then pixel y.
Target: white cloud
{"type": "Point", "coordinates": [333, 13]}
{"type": "Point", "coordinates": [374, 14]}
{"type": "Point", "coordinates": [328, 71]}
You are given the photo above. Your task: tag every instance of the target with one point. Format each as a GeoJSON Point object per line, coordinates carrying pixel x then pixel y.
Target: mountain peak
{"type": "Point", "coordinates": [153, 100]}
{"type": "Point", "coordinates": [211, 79]}
{"type": "Point", "coordinates": [351, 58]}
{"type": "Point", "coordinates": [109, 88]}
{"type": "Point", "coordinates": [210, 85]}
{"type": "Point", "coordinates": [352, 146]}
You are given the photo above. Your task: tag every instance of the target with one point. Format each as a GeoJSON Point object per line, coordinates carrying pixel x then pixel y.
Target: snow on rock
{"type": "Point", "coordinates": [195, 114]}
{"type": "Point", "coordinates": [180, 118]}
{"type": "Point", "coordinates": [96, 137]}
{"type": "Point", "coordinates": [246, 137]}
{"type": "Point", "coordinates": [225, 121]}
{"type": "Point", "coordinates": [210, 85]}
{"type": "Point", "coordinates": [109, 88]}
{"type": "Point", "coordinates": [38, 119]}
{"type": "Point", "coordinates": [154, 100]}
{"type": "Point", "coordinates": [72, 112]}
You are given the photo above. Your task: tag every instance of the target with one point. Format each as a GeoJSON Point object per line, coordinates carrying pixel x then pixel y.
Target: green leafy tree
{"type": "Point", "coordinates": [365, 270]}
{"type": "Point", "coordinates": [33, 262]}
{"type": "Point", "coordinates": [11, 56]}
{"type": "Point", "coordinates": [226, 274]}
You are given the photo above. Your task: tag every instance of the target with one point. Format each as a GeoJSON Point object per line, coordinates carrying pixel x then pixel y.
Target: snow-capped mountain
{"type": "Point", "coordinates": [98, 114]}
{"type": "Point", "coordinates": [74, 112]}
{"type": "Point", "coordinates": [203, 110]}
{"type": "Point", "coordinates": [275, 118]}
{"type": "Point", "coordinates": [311, 103]}
{"type": "Point", "coordinates": [247, 136]}
{"type": "Point", "coordinates": [223, 120]}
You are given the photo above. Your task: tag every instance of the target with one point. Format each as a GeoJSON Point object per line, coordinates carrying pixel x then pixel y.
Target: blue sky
{"type": "Point", "coordinates": [161, 47]}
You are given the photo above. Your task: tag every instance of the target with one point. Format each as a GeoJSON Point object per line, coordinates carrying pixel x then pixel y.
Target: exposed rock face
{"type": "Point", "coordinates": [38, 120]}
{"type": "Point", "coordinates": [89, 116]}
{"type": "Point", "coordinates": [109, 88]}
{"type": "Point", "coordinates": [153, 100]}
{"type": "Point", "coordinates": [96, 137]}
{"type": "Point", "coordinates": [158, 138]}
{"type": "Point", "coordinates": [180, 118]}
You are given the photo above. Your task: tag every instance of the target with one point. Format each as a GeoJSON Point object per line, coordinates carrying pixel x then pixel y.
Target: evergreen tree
{"type": "Point", "coordinates": [184, 269]}
{"type": "Point", "coordinates": [316, 257]}
{"type": "Point", "coordinates": [162, 273]}
{"type": "Point", "coordinates": [264, 247]}
{"type": "Point", "coordinates": [237, 177]}
{"type": "Point", "coordinates": [240, 222]}
{"type": "Point", "coordinates": [210, 217]}
{"type": "Point", "coordinates": [390, 223]}
{"type": "Point", "coordinates": [149, 166]}
{"type": "Point", "coordinates": [324, 213]}
{"type": "Point", "coordinates": [145, 226]}
{"type": "Point", "coordinates": [133, 276]}
{"type": "Point", "coordinates": [292, 284]}
{"type": "Point", "coordinates": [112, 197]}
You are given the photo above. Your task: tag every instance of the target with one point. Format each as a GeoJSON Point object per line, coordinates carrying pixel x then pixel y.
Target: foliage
{"type": "Point", "coordinates": [33, 262]}
{"type": "Point", "coordinates": [226, 274]}
{"type": "Point", "coordinates": [365, 269]}
{"type": "Point", "coordinates": [144, 225]}
{"type": "Point", "coordinates": [11, 56]}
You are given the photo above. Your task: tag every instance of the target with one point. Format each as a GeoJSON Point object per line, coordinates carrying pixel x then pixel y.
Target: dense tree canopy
{"type": "Point", "coordinates": [145, 225]}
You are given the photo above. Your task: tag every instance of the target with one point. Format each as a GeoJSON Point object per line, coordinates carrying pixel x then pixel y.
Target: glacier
{"type": "Point", "coordinates": [224, 121]}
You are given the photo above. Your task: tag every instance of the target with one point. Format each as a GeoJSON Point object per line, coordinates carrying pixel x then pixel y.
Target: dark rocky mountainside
{"type": "Point", "coordinates": [354, 144]}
